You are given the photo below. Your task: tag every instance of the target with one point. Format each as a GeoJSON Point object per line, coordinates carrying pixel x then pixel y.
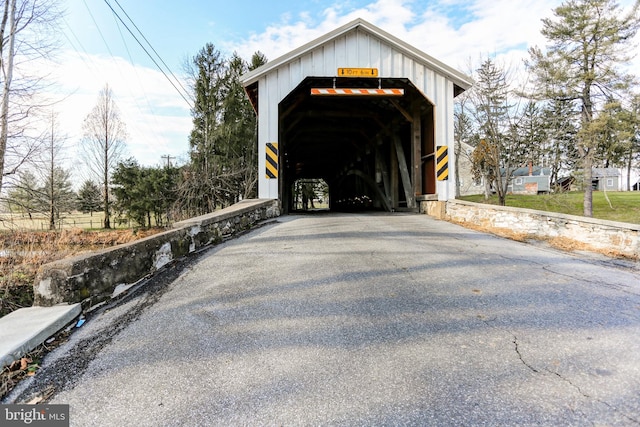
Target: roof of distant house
{"type": "Point", "coordinates": [605, 172]}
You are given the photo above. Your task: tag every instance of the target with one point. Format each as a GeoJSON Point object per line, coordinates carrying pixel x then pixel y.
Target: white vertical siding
{"type": "Point", "coordinates": [295, 73]}
{"type": "Point", "coordinates": [386, 60]}
{"type": "Point", "coordinates": [363, 49]}
{"type": "Point", "coordinates": [444, 136]}
{"type": "Point", "coordinates": [340, 45]}
{"type": "Point", "coordinates": [307, 66]}
{"type": "Point", "coordinates": [263, 138]}
{"type": "Point", "coordinates": [357, 49]}
{"type": "Point", "coordinates": [351, 48]}
{"type": "Point", "coordinates": [374, 53]}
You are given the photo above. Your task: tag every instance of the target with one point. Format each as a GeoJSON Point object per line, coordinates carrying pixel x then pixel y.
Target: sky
{"type": "Point", "coordinates": [97, 49]}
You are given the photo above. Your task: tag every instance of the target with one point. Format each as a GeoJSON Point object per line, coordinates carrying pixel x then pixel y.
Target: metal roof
{"type": "Point", "coordinates": [459, 79]}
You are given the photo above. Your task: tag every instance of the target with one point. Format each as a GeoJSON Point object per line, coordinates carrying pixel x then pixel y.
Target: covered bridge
{"type": "Point", "coordinates": [362, 110]}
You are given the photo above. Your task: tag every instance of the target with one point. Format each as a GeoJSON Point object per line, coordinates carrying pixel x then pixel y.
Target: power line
{"type": "Point", "coordinates": [149, 43]}
{"type": "Point", "coordinates": [97, 27]}
{"type": "Point", "coordinates": [82, 56]}
{"type": "Point", "coordinates": [135, 70]}
{"type": "Point", "coordinates": [151, 57]}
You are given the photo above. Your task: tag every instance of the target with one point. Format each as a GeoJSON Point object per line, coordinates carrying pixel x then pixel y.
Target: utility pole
{"type": "Point", "coordinates": [168, 158]}
{"type": "Point", "coordinates": [52, 201]}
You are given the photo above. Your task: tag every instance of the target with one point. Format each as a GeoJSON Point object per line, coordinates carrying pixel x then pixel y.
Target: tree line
{"type": "Point", "coordinates": [576, 108]}
{"type": "Point", "coordinates": [222, 166]}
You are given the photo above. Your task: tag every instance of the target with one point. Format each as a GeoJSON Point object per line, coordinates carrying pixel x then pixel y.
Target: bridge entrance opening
{"type": "Point", "coordinates": [370, 140]}
{"type": "Point", "coordinates": [310, 195]}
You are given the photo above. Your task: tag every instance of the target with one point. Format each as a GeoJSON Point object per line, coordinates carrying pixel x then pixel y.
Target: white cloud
{"type": "Point", "coordinates": [157, 118]}
{"type": "Point", "coordinates": [456, 32]}
{"type": "Point", "coordinates": [449, 30]}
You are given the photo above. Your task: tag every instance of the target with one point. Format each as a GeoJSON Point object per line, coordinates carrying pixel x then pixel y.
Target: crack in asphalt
{"type": "Point", "coordinates": [615, 286]}
{"type": "Point", "coordinates": [517, 348]}
{"type": "Point", "coordinates": [568, 381]}
{"type": "Point", "coordinates": [588, 396]}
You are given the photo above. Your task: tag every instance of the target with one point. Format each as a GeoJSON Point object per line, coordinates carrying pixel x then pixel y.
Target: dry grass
{"type": "Point", "coordinates": [561, 243]}
{"type": "Point", "coordinates": [70, 220]}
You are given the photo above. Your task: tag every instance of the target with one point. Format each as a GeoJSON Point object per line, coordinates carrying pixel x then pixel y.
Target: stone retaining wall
{"type": "Point", "coordinates": [614, 238]}
{"type": "Point", "coordinates": [98, 276]}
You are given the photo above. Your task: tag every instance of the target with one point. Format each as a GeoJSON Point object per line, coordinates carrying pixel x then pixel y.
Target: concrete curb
{"type": "Point", "coordinates": [23, 330]}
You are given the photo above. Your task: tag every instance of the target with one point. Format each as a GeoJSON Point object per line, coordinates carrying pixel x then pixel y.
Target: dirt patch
{"type": "Point", "coordinates": [23, 252]}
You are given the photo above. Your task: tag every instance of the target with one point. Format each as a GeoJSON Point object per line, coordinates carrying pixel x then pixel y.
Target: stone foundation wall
{"type": "Point", "coordinates": [98, 276]}
{"type": "Point", "coordinates": [615, 238]}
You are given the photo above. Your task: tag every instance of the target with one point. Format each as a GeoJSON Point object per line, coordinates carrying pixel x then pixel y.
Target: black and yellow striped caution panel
{"type": "Point", "coordinates": [272, 160]}
{"type": "Point", "coordinates": [442, 163]}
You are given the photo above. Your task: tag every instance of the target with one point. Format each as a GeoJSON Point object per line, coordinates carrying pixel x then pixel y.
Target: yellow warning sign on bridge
{"type": "Point", "coordinates": [442, 163]}
{"type": "Point", "coordinates": [357, 72]}
{"type": "Point", "coordinates": [272, 160]}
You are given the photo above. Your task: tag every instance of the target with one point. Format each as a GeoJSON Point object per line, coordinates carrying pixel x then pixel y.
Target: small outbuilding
{"type": "Point", "coordinates": [606, 179]}
{"type": "Point", "coordinates": [361, 110]}
{"type": "Point", "coordinates": [530, 180]}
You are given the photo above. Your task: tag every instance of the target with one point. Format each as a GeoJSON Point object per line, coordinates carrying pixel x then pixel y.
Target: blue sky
{"type": "Point", "coordinates": [98, 49]}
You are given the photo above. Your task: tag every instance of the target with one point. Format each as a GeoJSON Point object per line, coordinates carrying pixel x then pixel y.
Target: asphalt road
{"type": "Point", "coordinates": [364, 319]}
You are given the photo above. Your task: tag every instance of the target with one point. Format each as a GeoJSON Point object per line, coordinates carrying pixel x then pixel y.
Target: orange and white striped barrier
{"type": "Point", "coordinates": [383, 92]}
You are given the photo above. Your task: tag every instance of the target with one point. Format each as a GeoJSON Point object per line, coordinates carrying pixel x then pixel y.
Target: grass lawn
{"type": "Point", "coordinates": [624, 207]}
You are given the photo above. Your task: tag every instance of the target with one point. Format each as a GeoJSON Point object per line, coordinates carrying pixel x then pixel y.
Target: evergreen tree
{"type": "Point", "coordinates": [25, 196]}
{"type": "Point", "coordinates": [144, 195]}
{"type": "Point", "coordinates": [588, 41]}
{"type": "Point", "coordinates": [199, 191]}
{"type": "Point", "coordinates": [497, 154]}
{"type": "Point", "coordinates": [237, 135]}
{"type": "Point", "coordinates": [617, 128]}
{"type": "Point", "coordinates": [163, 193]}
{"type": "Point", "coordinates": [611, 130]}
{"type": "Point", "coordinates": [533, 135]}
{"type": "Point", "coordinates": [223, 147]}
{"type": "Point", "coordinates": [56, 195]}
{"type": "Point", "coordinates": [560, 152]}
{"type": "Point", "coordinates": [258, 59]}
{"type": "Point", "coordinates": [89, 197]}
{"type": "Point", "coordinates": [130, 188]}
{"type": "Point", "coordinates": [633, 131]}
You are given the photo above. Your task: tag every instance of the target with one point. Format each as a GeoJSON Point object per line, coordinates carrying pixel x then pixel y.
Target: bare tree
{"type": "Point", "coordinates": [497, 113]}
{"type": "Point", "coordinates": [103, 143]}
{"type": "Point", "coordinates": [55, 193]}
{"type": "Point", "coordinates": [26, 34]}
{"type": "Point", "coordinates": [464, 133]}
